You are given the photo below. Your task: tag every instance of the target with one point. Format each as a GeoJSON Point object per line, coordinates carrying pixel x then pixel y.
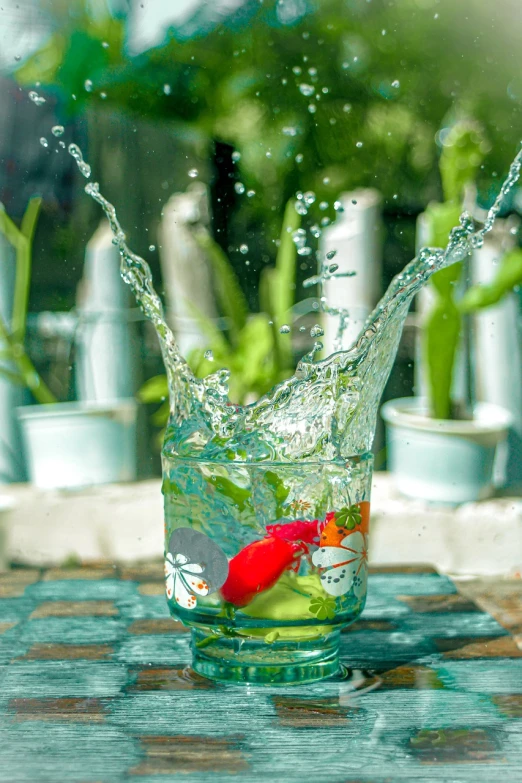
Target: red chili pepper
{"type": "Point", "coordinates": [257, 567]}
{"type": "Point", "coordinates": [309, 532]}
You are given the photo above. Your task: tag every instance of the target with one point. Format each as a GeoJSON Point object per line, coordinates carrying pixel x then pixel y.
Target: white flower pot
{"type": "Point", "coordinates": [443, 461]}
{"type": "Point", "coordinates": [78, 444]}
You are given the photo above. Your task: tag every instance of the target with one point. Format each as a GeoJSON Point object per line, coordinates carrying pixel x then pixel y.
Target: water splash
{"type": "Point", "coordinates": [327, 410]}
{"type": "Point", "coordinates": [76, 153]}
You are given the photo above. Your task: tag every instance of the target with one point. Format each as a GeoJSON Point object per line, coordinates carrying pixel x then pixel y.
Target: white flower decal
{"type": "Point", "coordinates": [346, 565]}
{"type": "Point", "coordinates": [183, 580]}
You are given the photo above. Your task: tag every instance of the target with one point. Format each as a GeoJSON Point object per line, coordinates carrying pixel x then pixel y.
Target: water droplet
{"type": "Point", "coordinates": [326, 180]}
{"type": "Point", "coordinates": [239, 187]}
{"type": "Point", "coordinates": [354, 201]}
{"type": "Point", "coordinates": [62, 144]}
{"type": "Point", "coordinates": [331, 254]}
{"type": "Point", "coordinates": [312, 71]}
{"type": "Point", "coordinates": [513, 230]}
{"type": "Point", "coordinates": [76, 153]}
{"type": "Point", "coordinates": [44, 142]}
{"type": "Point", "coordinates": [435, 16]}
{"type": "Point", "coordinates": [299, 237]}
{"type": "Point", "coordinates": [299, 157]}
{"type": "Point", "coordinates": [105, 44]}
{"type": "Point", "coordinates": [297, 70]}
{"type": "Point", "coordinates": [251, 193]}
{"type": "Point", "coordinates": [243, 249]}
{"type": "Point", "coordinates": [302, 328]}
{"type": "Point", "coordinates": [323, 205]}
{"type": "Point", "coordinates": [316, 331]}
{"type": "Point", "coordinates": [300, 208]}
{"type": "Point", "coordinates": [383, 32]}
{"type": "Point", "coordinates": [359, 144]}
{"type": "Point", "coordinates": [304, 251]}
{"type": "Point", "coordinates": [284, 329]}
{"type": "Point", "coordinates": [347, 108]}
{"type": "Point", "coordinates": [395, 196]}
{"type": "Point", "coordinates": [315, 231]}
{"type": "Point", "coordinates": [88, 85]}
{"type": "Point", "coordinates": [325, 221]}
{"type": "Point", "coordinates": [268, 154]}
{"type": "Point", "coordinates": [17, 58]}
{"type": "Point", "coordinates": [312, 108]}
{"type": "Point", "coordinates": [209, 356]}
{"type": "Point", "coordinates": [36, 98]}
{"type": "Point", "coordinates": [236, 156]}
{"type": "Point", "coordinates": [289, 130]}
{"type": "Point", "coordinates": [325, 90]}
{"type": "Point", "coordinates": [57, 130]}
{"type": "Point", "coordinates": [396, 83]}
{"type": "Point", "coordinates": [306, 89]}
{"type": "Point", "coordinates": [152, 248]}
{"type": "Point", "coordinates": [193, 173]}
{"type": "Point", "coordinates": [338, 206]}
{"type": "Point", "coordinates": [167, 89]}
{"type": "Point", "coordinates": [309, 197]}
{"type": "Point", "coordinates": [103, 95]}
{"type": "Point", "coordinates": [333, 268]}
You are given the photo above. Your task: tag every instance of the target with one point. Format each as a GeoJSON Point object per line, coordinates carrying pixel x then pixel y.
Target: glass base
{"type": "Point", "coordinates": [254, 661]}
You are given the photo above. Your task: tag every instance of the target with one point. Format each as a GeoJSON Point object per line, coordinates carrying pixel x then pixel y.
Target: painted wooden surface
{"type": "Point", "coordinates": [93, 688]}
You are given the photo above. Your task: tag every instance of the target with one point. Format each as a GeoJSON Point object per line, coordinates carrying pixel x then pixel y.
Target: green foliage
{"type": "Point", "coordinates": [509, 276]}
{"type": "Point", "coordinates": [22, 372]}
{"type": "Point", "coordinates": [463, 149]}
{"type": "Point", "coordinates": [280, 491]}
{"type": "Point", "coordinates": [233, 80]}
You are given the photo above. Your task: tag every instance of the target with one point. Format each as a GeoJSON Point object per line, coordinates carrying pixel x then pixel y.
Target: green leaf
{"type": "Point", "coordinates": [283, 289]}
{"type": "Point", "coordinates": [23, 267]}
{"type": "Point", "coordinates": [508, 276]}
{"type": "Point", "coordinates": [463, 151]}
{"type": "Point", "coordinates": [228, 290]}
{"type": "Point", "coordinates": [441, 337]}
{"type": "Point", "coordinates": [239, 495]}
{"type": "Point", "coordinates": [440, 219]}
{"type": "Point", "coordinates": [156, 389]}
{"type": "Point", "coordinates": [441, 330]}
{"type": "Point", "coordinates": [280, 490]}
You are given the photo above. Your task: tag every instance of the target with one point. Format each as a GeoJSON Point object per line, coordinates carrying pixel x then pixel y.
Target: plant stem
{"type": "Point", "coordinates": [28, 372]}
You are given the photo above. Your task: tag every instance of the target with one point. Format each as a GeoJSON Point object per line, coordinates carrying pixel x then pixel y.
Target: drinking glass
{"type": "Point", "coordinates": [266, 563]}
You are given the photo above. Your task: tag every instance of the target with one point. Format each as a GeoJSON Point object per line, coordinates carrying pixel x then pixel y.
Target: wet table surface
{"type": "Point", "coordinates": [94, 688]}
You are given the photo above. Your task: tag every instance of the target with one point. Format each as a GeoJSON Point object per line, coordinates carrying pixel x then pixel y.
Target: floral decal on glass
{"type": "Point", "coordinates": [345, 565]}
{"type": "Point", "coordinates": [194, 566]}
{"type": "Point", "coordinates": [183, 580]}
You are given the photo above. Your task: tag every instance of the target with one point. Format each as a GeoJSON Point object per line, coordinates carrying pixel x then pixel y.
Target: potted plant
{"type": "Point", "coordinates": [442, 447]}
{"type": "Point", "coordinates": [67, 444]}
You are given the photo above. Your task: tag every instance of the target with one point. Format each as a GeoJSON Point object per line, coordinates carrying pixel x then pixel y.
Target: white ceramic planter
{"type": "Point", "coordinates": [73, 444]}
{"type": "Point", "coordinates": [442, 461]}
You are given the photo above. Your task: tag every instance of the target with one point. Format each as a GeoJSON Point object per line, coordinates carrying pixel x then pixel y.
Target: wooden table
{"type": "Point", "coordinates": [94, 688]}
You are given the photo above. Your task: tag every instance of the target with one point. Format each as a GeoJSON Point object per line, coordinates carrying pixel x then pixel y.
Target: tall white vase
{"type": "Point", "coordinates": [106, 362]}
{"type": "Point", "coordinates": [11, 396]}
{"type": "Point", "coordinates": [498, 342]}
{"type": "Point", "coordinates": [187, 275]}
{"type": "Point", "coordinates": [357, 236]}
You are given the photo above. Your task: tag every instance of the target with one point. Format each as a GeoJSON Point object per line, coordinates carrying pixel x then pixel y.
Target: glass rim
{"type": "Point", "coordinates": [367, 456]}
